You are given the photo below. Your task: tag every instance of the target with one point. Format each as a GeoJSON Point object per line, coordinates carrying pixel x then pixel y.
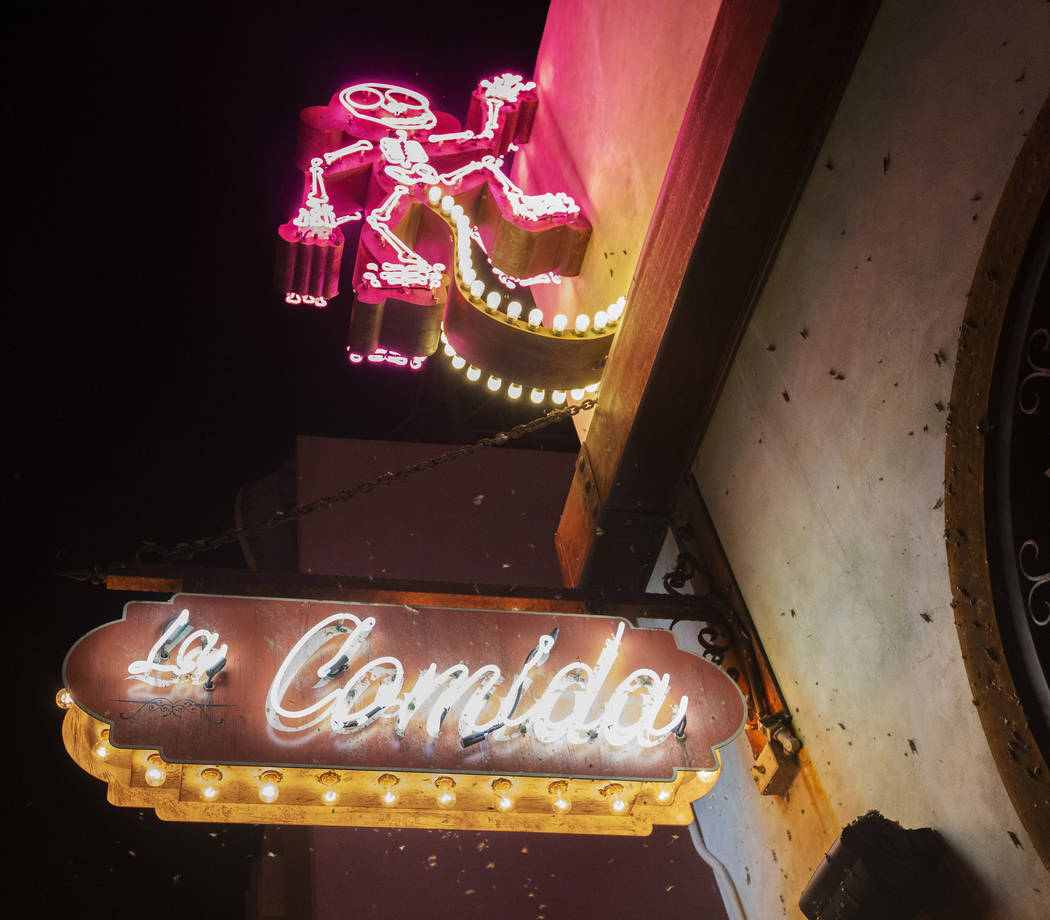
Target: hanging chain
{"type": "Point", "coordinates": [189, 549]}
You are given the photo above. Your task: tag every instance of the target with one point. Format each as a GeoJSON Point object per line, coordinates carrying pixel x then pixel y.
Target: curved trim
{"type": "Point", "coordinates": [1022, 766]}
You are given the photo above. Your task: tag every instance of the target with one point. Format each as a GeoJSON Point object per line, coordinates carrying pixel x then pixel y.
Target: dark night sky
{"type": "Point", "coordinates": [155, 369]}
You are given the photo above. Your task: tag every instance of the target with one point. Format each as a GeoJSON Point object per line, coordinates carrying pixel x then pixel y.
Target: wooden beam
{"type": "Point", "coordinates": [767, 89]}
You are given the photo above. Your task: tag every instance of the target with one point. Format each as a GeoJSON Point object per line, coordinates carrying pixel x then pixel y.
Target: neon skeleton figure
{"type": "Point", "coordinates": [447, 245]}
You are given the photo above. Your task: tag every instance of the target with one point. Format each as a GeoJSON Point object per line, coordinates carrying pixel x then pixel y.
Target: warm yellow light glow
{"type": "Point", "coordinates": [618, 805]}
{"type": "Point", "coordinates": [513, 310]}
{"type": "Point", "coordinates": [492, 301]}
{"type": "Point", "coordinates": [582, 322]}
{"type": "Point", "coordinates": [494, 383]}
{"type": "Point", "coordinates": [210, 792]}
{"type": "Point", "coordinates": [600, 320]}
{"type": "Point", "coordinates": [559, 323]}
{"type": "Point", "coordinates": [268, 792]}
{"type": "Point", "coordinates": [63, 699]}
{"type": "Point", "coordinates": [537, 396]}
{"type": "Point", "coordinates": [477, 289]}
{"type": "Point", "coordinates": [514, 390]}
{"type": "Point", "coordinates": [389, 797]}
{"type": "Point", "coordinates": [576, 394]}
{"type": "Point", "coordinates": [449, 351]}
{"type": "Point", "coordinates": [101, 750]}
{"type": "Point", "coordinates": [387, 782]}
{"type": "Point", "coordinates": [557, 397]}
{"type": "Point", "coordinates": [473, 373]}
{"type": "Point", "coordinates": [664, 795]}
{"type": "Point", "coordinates": [535, 317]}
{"type": "Point", "coordinates": [330, 797]}
{"type": "Point", "coordinates": [156, 775]}
{"type": "Point", "coordinates": [446, 797]}
{"type": "Point", "coordinates": [459, 362]}
{"type": "Point", "coordinates": [506, 803]}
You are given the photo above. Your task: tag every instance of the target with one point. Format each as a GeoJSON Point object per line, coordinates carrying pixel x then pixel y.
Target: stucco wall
{"type": "Point", "coordinates": [823, 468]}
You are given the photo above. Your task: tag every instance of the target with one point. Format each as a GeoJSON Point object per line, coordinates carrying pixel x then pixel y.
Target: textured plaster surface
{"type": "Point", "coordinates": [823, 467]}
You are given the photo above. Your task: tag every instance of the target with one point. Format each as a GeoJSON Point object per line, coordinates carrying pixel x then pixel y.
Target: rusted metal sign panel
{"type": "Point", "coordinates": [375, 687]}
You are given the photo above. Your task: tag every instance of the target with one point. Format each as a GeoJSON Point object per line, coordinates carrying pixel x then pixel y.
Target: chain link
{"type": "Point", "coordinates": [189, 549]}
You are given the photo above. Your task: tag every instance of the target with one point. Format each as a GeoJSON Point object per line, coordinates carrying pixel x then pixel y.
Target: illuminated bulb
{"type": "Point", "coordinates": [537, 395]}
{"type": "Point", "coordinates": [387, 782]}
{"type": "Point", "coordinates": [155, 773]}
{"type": "Point", "coordinates": [557, 397]}
{"type": "Point", "coordinates": [449, 351]}
{"type": "Point", "coordinates": [492, 301]}
{"type": "Point", "coordinates": [600, 319]}
{"type": "Point", "coordinates": [446, 797]}
{"type": "Point", "coordinates": [576, 394]}
{"type": "Point", "coordinates": [469, 276]}
{"type": "Point", "coordinates": [329, 778]}
{"type": "Point", "coordinates": [502, 789]}
{"type": "Point", "coordinates": [446, 204]}
{"type": "Point", "coordinates": [535, 317]}
{"type": "Point", "coordinates": [63, 699]}
{"type": "Point", "coordinates": [615, 310]}
{"type": "Point", "coordinates": [514, 390]}
{"type": "Point", "coordinates": [330, 797]}
{"type": "Point", "coordinates": [477, 289]}
{"type": "Point", "coordinates": [434, 194]}
{"type": "Point", "coordinates": [268, 785]}
{"type": "Point", "coordinates": [456, 212]}
{"type": "Point", "coordinates": [664, 795]}
{"type": "Point", "coordinates": [582, 322]}
{"type": "Point", "coordinates": [494, 383]}
{"type": "Point", "coordinates": [614, 793]}
{"type": "Point", "coordinates": [473, 373]}
{"type": "Point", "coordinates": [102, 749]}
{"type": "Point", "coordinates": [559, 323]}
{"type": "Point", "coordinates": [459, 362]}
{"type": "Point", "coordinates": [268, 792]}
{"type": "Point", "coordinates": [211, 777]}
{"type": "Point", "coordinates": [513, 310]}
{"type": "Point", "coordinates": [559, 789]}
{"type": "Point", "coordinates": [593, 388]}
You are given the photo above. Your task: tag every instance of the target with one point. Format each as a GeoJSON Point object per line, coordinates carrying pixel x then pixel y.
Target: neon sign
{"type": "Point", "coordinates": [421, 194]}
{"type": "Point", "coordinates": [361, 692]}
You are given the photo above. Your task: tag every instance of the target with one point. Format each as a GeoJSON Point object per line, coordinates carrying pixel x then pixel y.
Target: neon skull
{"type": "Point", "coordinates": [379, 161]}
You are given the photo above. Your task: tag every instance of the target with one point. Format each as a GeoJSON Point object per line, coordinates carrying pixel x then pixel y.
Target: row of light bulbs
{"type": "Point", "coordinates": [156, 775]}
{"type": "Point", "coordinates": [514, 390]}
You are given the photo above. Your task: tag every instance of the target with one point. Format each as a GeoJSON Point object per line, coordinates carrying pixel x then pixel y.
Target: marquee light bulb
{"type": "Point", "coordinates": [502, 787]}
{"type": "Point", "coordinates": [473, 373]}
{"type": "Point", "coordinates": [456, 212]}
{"type": "Point", "coordinates": [494, 383]}
{"type": "Point", "coordinates": [535, 317]}
{"type": "Point", "coordinates": [446, 798]}
{"type": "Point", "coordinates": [268, 792]}
{"type": "Point", "coordinates": [212, 777]}
{"type": "Point", "coordinates": [561, 802]}
{"type": "Point", "coordinates": [155, 773]}
{"type": "Point", "coordinates": [664, 795]}
{"type": "Point", "coordinates": [387, 782]}
{"type": "Point", "coordinates": [446, 204]}
{"type": "Point", "coordinates": [582, 322]}
{"type": "Point", "coordinates": [615, 310]}
{"type": "Point", "coordinates": [492, 301]}
{"type": "Point", "coordinates": [576, 394]}
{"type": "Point", "coordinates": [557, 397]}
{"type": "Point", "coordinates": [63, 699]}
{"type": "Point", "coordinates": [600, 320]}
{"type": "Point", "coordinates": [559, 323]}
{"type": "Point", "coordinates": [459, 362]}
{"type": "Point", "coordinates": [450, 352]}
{"type": "Point", "coordinates": [101, 751]}
{"type": "Point", "coordinates": [210, 792]}
{"type": "Point", "coordinates": [506, 803]}
{"type": "Point", "coordinates": [330, 797]}
{"type": "Point", "coordinates": [513, 311]}
{"type": "Point", "coordinates": [434, 194]}
{"type": "Point", "coordinates": [537, 395]}
{"type": "Point", "coordinates": [469, 275]}
{"type": "Point", "coordinates": [514, 390]}
{"type": "Point", "coordinates": [477, 289]}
